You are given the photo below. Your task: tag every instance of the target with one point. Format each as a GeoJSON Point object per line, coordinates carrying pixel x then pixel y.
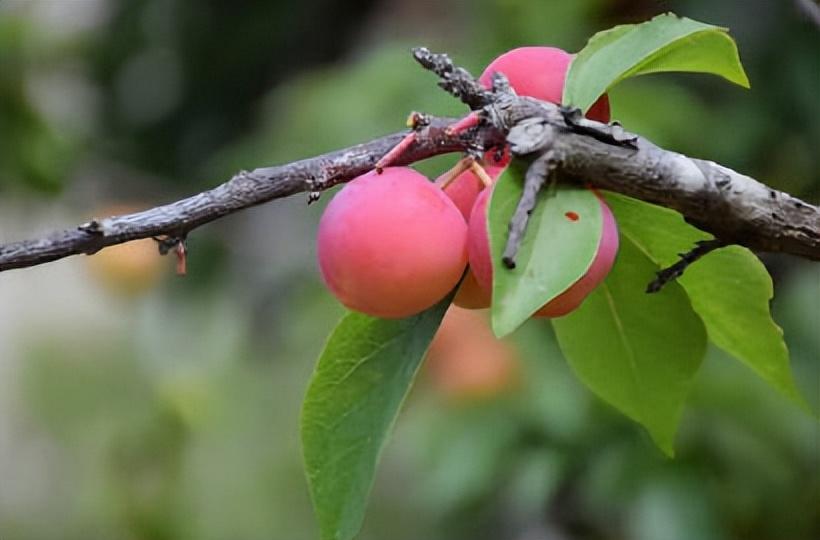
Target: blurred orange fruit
{"type": "Point", "coordinates": [466, 361]}
{"type": "Point", "coordinates": [128, 269]}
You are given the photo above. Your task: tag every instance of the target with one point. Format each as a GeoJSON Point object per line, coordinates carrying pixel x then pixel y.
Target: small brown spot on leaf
{"type": "Point", "coordinates": [572, 216]}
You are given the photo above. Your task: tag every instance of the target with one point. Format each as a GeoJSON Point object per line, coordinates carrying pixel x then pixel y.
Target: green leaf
{"type": "Point", "coordinates": [555, 253]}
{"type": "Point", "coordinates": [730, 289]}
{"type": "Point", "coordinates": [665, 43]}
{"type": "Point", "coordinates": [361, 379]}
{"type": "Point", "coordinates": [637, 351]}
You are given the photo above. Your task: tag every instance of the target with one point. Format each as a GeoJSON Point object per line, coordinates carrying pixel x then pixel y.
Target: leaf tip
{"type": "Point", "coordinates": [501, 327]}
{"type": "Point", "coordinates": [668, 451]}
{"type": "Point", "coordinates": [665, 442]}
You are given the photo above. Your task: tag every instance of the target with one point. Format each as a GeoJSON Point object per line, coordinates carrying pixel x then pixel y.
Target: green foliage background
{"type": "Point", "coordinates": [174, 414]}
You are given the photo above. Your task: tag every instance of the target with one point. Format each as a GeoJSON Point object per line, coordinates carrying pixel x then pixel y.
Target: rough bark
{"type": "Point", "coordinates": [733, 207]}
{"type": "Point", "coordinates": [245, 189]}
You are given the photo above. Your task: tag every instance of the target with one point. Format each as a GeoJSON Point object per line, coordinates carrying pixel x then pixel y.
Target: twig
{"type": "Point", "coordinates": [609, 133]}
{"type": "Point", "coordinates": [416, 121]}
{"type": "Point", "coordinates": [470, 121]}
{"type": "Point", "coordinates": [534, 180]}
{"type": "Point", "coordinates": [702, 248]}
{"type": "Point", "coordinates": [394, 153]}
{"type": "Point", "coordinates": [455, 80]}
{"type": "Point", "coordinates": [244, 190]}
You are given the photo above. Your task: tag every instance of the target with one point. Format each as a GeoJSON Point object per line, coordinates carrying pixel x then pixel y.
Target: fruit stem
{"type": "Point", "coordinates": [393, 154]}
{"type": "Point", "coordinates": [469, 121]}
{"type": "Point", "coordinates": [447, 178]}
{"type": "Point", "coordinates": [479, 170]}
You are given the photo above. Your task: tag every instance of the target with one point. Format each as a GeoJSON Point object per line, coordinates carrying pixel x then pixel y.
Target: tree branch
{"type": "Point", "coordinates": [735, 208]}
{"type": "Point", "coordinates": [244, 190]}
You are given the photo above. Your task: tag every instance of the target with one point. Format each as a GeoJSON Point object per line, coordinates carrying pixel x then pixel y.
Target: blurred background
{"type": "Point", "coordinates": [138, 405]}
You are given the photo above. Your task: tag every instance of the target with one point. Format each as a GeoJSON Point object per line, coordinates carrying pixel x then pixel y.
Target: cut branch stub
{"type": "Point", "coordinates": [455, 80]}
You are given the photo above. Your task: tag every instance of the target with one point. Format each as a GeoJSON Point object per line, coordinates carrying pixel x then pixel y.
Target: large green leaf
{"type": "Point", "coordinates": [665, 43]}
{"type": "Point", "coordinates": [730, 289]}
{"type": "Point", "coordinates": [361, 379]}
{"type": "Point", "coordinates": [555, 253]}
{"type": "Point", "coordinates": [637, 351]}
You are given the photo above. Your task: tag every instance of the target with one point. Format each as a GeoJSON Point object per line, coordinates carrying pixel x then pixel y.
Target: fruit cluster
{"type": "Point", "coordinates": [393, 244]}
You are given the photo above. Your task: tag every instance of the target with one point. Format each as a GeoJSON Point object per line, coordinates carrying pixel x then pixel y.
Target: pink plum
{"type": "Point", "coordinates": [465, 187]}
{"type": "Point", "coordinates": [537, 72]}
{"type": "Point", "coordinates": [464, 190]}
{"type": "Point", "coordinates": [471, 295]}
{"type": "Point", "coordinates": [540, 72]}
{"type": "Point", "coordinates": [478, 245]}
{"type": "Point", "coordinates": [391, 245]}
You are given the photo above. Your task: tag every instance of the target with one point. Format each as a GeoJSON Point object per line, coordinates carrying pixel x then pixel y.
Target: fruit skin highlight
{"type": "Point", "coordinates": [478, 245]}
{"type": "Point", "coordinates": [391, 245]}
{"type": "Point", "coordinates": [540, 72]}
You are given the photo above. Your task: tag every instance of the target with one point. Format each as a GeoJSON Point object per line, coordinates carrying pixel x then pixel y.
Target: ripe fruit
{"type": "Point", "coordinates": [466, 361]}
{"type": "Point", "coordinates": [570, 299]}
{"type": "Point", "coordinates": [537, 72]}
{"type": "Point", "coordinates": [463, 191]}
{"type": "Point", "coordinates": [540, 72]}
{"type": "Point", "coordinates": [465, 187]}
{"type": "Point", "coordinates": [471, 295]}
{"type": "Point", "coordinates": [478, 244]}
{"type": "Point", "coordinates": [392, 244]}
